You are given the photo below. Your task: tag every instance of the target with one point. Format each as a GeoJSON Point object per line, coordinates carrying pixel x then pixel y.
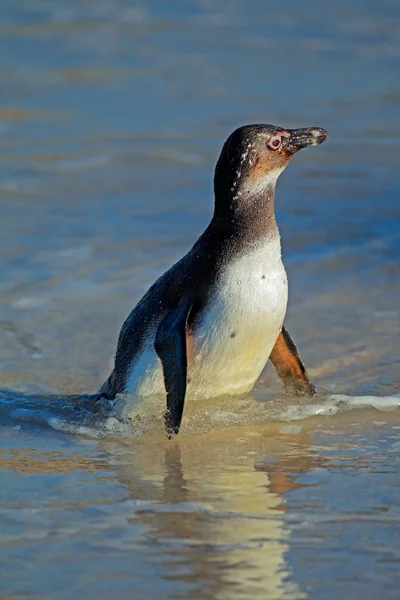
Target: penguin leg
{"type": "Point", "coordinates": [170, 345]}
{"type": "Point", "coordinates": [290, 368]}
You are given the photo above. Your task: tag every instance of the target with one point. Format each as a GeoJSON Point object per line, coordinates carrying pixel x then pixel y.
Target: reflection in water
{"type": "Point", "coordinates": [215, 514]}
{"type": "Point", "coordinates": [210, 507]}
{"type": "Point", "coordinates": [204, 516]}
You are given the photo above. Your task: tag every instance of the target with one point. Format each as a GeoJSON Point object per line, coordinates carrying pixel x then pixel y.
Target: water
{"type": "Point", "coordinates": [112, 115]}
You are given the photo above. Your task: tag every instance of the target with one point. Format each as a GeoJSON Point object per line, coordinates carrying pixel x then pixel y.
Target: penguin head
{"type": "Point", "coordinates": [254, 156]}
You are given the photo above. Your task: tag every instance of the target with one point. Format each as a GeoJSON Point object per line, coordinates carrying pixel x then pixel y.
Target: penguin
{"type": "Point", "coordinates": [210, 323]}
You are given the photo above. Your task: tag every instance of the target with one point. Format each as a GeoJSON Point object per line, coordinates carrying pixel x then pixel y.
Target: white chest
{"type": "Point", "coordinates": [236, 337]}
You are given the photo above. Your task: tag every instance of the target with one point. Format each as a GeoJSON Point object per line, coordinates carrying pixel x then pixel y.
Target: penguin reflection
{"type": "Point", "coordinates": [218, 509]}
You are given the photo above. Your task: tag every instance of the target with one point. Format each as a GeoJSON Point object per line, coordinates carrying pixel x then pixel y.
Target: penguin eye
{"type": "Point", "coordinates": [274, 142]}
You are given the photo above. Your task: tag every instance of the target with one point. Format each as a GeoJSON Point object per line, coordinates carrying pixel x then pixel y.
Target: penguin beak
{"type": "Point", "coordinates": [309, 136]}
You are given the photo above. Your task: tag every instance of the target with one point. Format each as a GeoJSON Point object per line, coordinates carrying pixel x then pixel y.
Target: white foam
{"type": "Point", "coordinates": [84, 423]}
{"type": "Point", "coordinates": [341, 402]}
{"type": "Point", "coordinates": [199, 417]}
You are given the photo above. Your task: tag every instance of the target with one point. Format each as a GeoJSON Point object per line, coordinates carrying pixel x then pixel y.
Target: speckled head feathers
{"type": "Point", "coordinates": [254, 156]}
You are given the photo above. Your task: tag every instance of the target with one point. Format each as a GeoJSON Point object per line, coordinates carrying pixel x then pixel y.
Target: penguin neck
{"type": "Point", "coordinates": [246, 214]}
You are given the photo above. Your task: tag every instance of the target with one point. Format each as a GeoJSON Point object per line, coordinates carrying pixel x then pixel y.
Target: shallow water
{"type": "Point", "coordinates": [112, 115]}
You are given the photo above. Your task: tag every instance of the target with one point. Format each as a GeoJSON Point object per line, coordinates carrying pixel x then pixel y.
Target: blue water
{"type": "Point", "coordinates": [112, 116]}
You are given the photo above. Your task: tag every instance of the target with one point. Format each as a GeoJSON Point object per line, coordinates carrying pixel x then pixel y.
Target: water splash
{"type": "Point", "coordinates": [126, 417]}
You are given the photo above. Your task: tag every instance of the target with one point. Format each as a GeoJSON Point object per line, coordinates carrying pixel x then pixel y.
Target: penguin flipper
{"type": "Point", "coordinates": [290, 368]}
{"type": "Point", "coordinates": [170, 345]}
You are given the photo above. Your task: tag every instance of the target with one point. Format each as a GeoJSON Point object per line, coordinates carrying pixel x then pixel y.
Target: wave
{"type": "Point", "coordinates": [125, 417]}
